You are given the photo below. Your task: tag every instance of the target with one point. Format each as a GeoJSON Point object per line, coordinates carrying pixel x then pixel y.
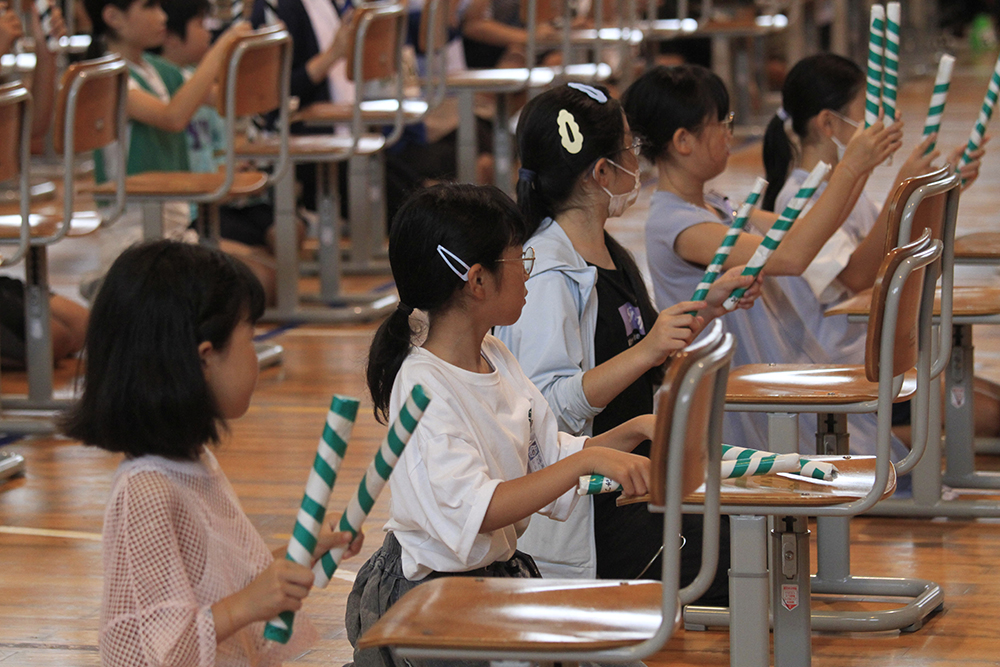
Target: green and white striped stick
{"type": "Point", "coordinates": [939, 97]}
{"type": "Point", "coordinates": [722, 253]}
{"type": "Point", "coordinates": [890, 73]}
{"type": "Point", "coordinates": [590, 485]}
{"type": "Point", "coordinates": [786, 462]}
{"type": "Point", "coordinates": [329, 454]}
{"type": "Point", "coordinates": [989, 102]}
{"type": "Point", "coordinates": [375, 478]}
{"type": "Point", "coordinates": [774, 235]}
{"type": "Point", "coordinates": [873, 87]}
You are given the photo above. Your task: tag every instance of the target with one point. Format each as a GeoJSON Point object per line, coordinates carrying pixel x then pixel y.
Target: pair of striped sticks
{"type": "Point", "coordinates": [329, 454]}
{"type": "Point", "coordinates": [882, 80]}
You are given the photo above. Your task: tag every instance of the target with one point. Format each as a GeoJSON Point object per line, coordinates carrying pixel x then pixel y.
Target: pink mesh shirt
{"type": "Point", "coordinates": [176, 541]}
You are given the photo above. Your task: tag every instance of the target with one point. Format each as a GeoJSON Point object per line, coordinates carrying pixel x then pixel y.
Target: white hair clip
{"type": "Point", "coordinates": [448, 256]}
{"type": "Point", "coordinates": [589, 91]}
{"type": "Point", "coordinates": [569, 131]}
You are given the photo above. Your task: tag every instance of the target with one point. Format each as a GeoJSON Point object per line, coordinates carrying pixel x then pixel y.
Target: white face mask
{"type": "Point", "coordinates": [618, 204]}
{"type": "Point", "coordinates": [841, 146]}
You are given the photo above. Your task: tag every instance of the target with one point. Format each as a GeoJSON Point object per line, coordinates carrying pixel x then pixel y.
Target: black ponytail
{"type": "Point", "coordinates": [475, 224]}
{"type": "Point", "coordinates": [819, 82]}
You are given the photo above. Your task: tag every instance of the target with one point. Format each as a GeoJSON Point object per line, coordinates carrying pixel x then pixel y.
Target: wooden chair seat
{"type": "Point", "coordinates": [183, 185]}
{"type": "Point", "coordinates": [967, 301]}
{"type": "Point", "coordinates": [521, 615]}
{"type": "Point", "coordinates": [311, 147]}
{"type": "Point", "coordinates": [502, 80]}
{"type": "Point", "coordinates": [855, 478]}
{"type": "Point", "coordinates": [43, 226]}
{"type": "Point", "coordinates": [372, 111]}
{"type": "Point", "coordinates": [807, 384]}
{"type": "Point", "coordinates": [980, 245]}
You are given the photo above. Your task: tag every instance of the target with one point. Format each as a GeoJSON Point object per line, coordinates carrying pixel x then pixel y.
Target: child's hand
{"type": "Point", "coordinates": [673, 330]}
{"type": "Point", "coordinates": [870, 147]}
{"type": "Point", "coordinates": [724, 286]}
{"type": "Point", "coordinates": [629, 470]}
{"type": "Point", "coordinates": [10, 28]}
{"type": "Point", "coordinates": [969, 172]}
{"type": "Point", "coordinates": [237, 30]}
{"type": "Point", "coordinates": [330, 538]}
{"type": "Point", "coordinates": [918, 164]}
{"type": "Point", "coordinates": [281, 587]}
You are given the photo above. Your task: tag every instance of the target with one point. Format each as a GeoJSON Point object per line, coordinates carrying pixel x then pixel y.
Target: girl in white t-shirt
{"type": "Point", "coordinates": [188, 580]}
{"type": "Point", "coordinates": [486, 454]}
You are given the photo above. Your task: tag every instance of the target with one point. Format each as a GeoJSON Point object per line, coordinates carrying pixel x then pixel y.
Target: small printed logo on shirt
{"type": "Point", "coordinates": [535, 460]}
{"type": "Point", "coordinates": [634, 327]}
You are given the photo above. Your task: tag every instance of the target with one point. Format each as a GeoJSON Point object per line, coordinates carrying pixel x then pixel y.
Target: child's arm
{"type": "Point", "coordinates": [43, 84]}
{"type": "Point", "coordinates": [10, 28]}
{"type": "Point", "coordinates": [515, 499]}
{"type": "Point", "coordinates": [176, 114]}
{"type": "Point", "coordinates": [319, 65]}
{"type": "Point", "coordinates": [867, 149]}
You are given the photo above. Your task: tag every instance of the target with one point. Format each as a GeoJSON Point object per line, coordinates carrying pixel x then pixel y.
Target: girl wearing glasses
{"type": "Point", "coordinates": [487, 453]}
{"type": "Point", "coordinates": [823, 101]}
{"type": "Point", "coordinates": [680, 113]}
{"type": "Point", "coordinates": [589, 337]}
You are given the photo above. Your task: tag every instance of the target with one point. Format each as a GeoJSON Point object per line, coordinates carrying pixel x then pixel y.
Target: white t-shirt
{"type": "Point", "coordinates": [479, 430]}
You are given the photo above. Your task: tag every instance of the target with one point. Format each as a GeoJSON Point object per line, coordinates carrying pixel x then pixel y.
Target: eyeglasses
{"type": "Point", "coordinates": [853, 123]}
{"type": "Point", "coordinates": [528, 259]}
{"type": "Point", "coordinates": [727, 122]}
{"type": "Point", "coordinates": [635, 147]}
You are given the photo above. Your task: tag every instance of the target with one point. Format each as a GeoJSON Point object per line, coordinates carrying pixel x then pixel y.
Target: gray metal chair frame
{"type": "Point", "coordinates": [715, 355]}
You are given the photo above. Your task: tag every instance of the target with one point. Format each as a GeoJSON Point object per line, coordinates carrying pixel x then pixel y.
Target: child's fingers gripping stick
{"type": "Point", "coordinates": [784, 222]}
{"type": "Point", "coordinates": [722, 253]}
{"type": "Point", "coordinates": [312, 512]}
{"type": "Point", "coordinates": [375, 478]}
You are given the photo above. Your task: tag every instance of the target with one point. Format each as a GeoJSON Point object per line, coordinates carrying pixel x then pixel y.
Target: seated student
{"type": "Point", "coordinates": [43, 78]}
{"type": "Point", "coordinates": [823, 103]}
{"type": "Point", "coordinates": [682, 114]}
{"type": "Point", "coordinates": [494, 35]}
{"type": "Point", "coordinates": [247, 227]}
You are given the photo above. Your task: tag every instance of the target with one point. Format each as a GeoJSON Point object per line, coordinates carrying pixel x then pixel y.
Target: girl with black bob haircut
{"type": "Point", "coordinates": [170, 357]}
{"type": "Point", "coordinates": [823, 102]}
{"type": "Point", "coordinates": [590, 339]}
{"type": "Point", "coordinates": [487, 452]}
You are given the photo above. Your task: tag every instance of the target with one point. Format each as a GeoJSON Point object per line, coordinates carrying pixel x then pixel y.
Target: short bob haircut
{"type": "Point", "coordinates": [144, 386]}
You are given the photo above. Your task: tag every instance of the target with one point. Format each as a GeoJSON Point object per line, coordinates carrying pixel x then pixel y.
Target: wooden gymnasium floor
{"type": "Point", "coordinates": [50, 520]}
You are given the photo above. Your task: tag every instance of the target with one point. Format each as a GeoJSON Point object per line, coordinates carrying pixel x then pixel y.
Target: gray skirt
{"type": "Point", "coordinates": [380, 583]}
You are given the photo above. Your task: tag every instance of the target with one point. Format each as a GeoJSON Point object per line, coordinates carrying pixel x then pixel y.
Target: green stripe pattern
{"type": "Point", "coordinates": [774, 235]}
{"type": "Point", "coordinates": [890, 74]}
{"type": "Point", "coordinates": [590, 485]}
{"type": "Point", "coordinates": [989, 102]}
{"type": "Point", "coordinates": [722, 253]}
{"type": "Point", "coordinates": [742, 461]}
{"type": "Point", "coordinates": [375, 478]}
{"type": "Point", "coordinates": [876, 47]}
{"type": "Point", "coordinates": [939, 97]}
{"type": "Point", "coordinates": [329, 454]}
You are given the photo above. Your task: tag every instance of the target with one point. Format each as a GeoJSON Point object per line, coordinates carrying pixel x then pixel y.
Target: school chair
{"type": "Point", "coordinates": [898, 365]}
{"type": "Point", "coordinates": [375, 54]}
{"type": "Point", "coordinates": [572, 620]}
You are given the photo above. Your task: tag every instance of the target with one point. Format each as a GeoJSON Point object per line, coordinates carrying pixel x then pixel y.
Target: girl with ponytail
{"type": "Point", "coordinates": [590, 338]}
{"type": "Point", "coordinates": [487, 453]}
{"type": "Point", "coordinates": [822, 105]}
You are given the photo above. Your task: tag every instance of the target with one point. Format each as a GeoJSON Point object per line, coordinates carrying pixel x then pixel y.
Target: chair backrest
{"type": "Point", "coordinates": [15, 154]}
{"type": "Point", "coordinates": [687, 441]}
{"type": "Point", "coordinates": [376, 42]}
{"type": "Point", "coordinates": [90, 115]}
{"type": "Point", "coordinates": [432, 40]}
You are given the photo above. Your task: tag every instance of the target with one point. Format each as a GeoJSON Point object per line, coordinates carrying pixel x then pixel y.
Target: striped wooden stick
{"type": "Point", "coordinates": [774, 235]}
{"type": "Point", "coordinates": [722, 253]}
{"type": "Point", "coordinates": [938, 97]}
{"type": "Point", "coordinates": [890, 73]}
{"type": "Point", "coordinates": [374, 480]}
{"type": "Point", "coordinates": [322, 476]}
{"type": "Point", "coordinates": [873, 87]}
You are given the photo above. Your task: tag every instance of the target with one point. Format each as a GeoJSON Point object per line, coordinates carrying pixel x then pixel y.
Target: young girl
{"type": "Point", "coordinates": [487, 453]}
{"type": "Point", "coordinates": [682, 114]}
{"type": "Point", "coordinates": [822, 105]}
{"type": "Point", "coordinates": [170, 357]}
{"type": "Point", "coordinates": [589, 338]}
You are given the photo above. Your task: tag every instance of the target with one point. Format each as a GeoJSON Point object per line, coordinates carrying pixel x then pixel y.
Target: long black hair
{"type": "Point", "coordinates": [476, 224]}
{"type": "Point", "coordinates": [822, 81]}
{"type": "Point", "coordinates": [100, 30]}
{"type": "Point", "coordinates": [144, 388]}
{"type": "Point", "coordinates": [550, 171]}
{"type": "Point", "coordinates": [666, 99]}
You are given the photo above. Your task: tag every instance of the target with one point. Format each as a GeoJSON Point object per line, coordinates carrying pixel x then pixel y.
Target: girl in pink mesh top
{"type": "Point", "coordinates": [170, 357]}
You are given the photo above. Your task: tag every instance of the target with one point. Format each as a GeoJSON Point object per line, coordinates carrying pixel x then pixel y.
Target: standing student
{"type": "Point", "coordinates": [822, 105]}
{"type": "Point", "coordinates": [590, 338]}
{"type": "Point", "coordinates": [170, 358]}
{"type": "Point", "coordinates": [487, 453]}
{"type": "Point", "coordinates": [682, 114]}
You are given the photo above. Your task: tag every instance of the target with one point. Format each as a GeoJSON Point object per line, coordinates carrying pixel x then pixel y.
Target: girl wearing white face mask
{"type": "Point", "coordinates": [823, 105]}
{"type": "Point", "coordinates": [589, 337]}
